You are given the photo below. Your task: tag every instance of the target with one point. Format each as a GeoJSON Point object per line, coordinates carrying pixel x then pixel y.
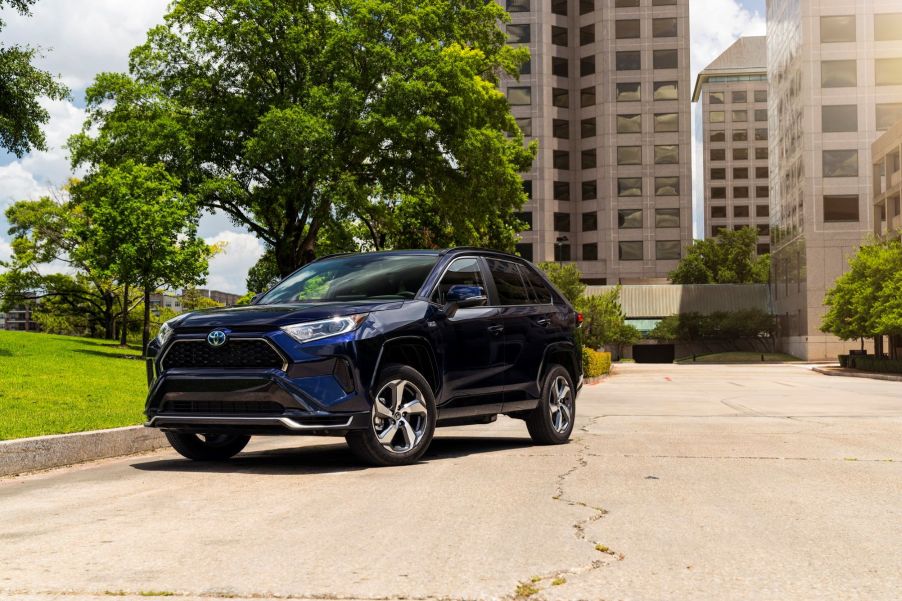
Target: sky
{"type": "Point", "coordinates": [81, 39]}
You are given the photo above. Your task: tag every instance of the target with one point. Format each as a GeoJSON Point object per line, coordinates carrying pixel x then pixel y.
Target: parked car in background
{"type": "Point", "coordinates": [380, 348]}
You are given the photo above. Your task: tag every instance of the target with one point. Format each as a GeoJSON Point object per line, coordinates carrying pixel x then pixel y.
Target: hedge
{"type": "Point", "coordinates": [887, 366]}
{"type": "Point", "coordinates": [844, 361]}
{"type": "Point", "coordinates": [596, 363]}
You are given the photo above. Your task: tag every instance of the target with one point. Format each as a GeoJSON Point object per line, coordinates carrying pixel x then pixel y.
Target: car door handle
{"type": "Point", "coordinates": [544, 322]}
{"type": "Point", "coordinates": [495, 330]}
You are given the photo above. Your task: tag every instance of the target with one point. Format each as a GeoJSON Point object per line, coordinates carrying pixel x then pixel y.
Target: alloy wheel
{"type": "Point", "coordinates": [560, 404]}
{"type": "Point", "coordinates": [400, 416]}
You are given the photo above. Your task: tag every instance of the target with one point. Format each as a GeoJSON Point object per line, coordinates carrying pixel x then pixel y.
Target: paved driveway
{"type": "Point", "coordinates": [682, 482]}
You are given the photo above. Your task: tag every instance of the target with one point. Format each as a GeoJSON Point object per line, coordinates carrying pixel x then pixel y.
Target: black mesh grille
{"type": "Point", "coordinates": [235, 353]}
{"type": "Point", "coordinates": [219, 407]}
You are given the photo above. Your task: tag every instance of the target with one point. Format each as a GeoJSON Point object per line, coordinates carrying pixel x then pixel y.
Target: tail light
{"type": "Point", "coordinates": [579, 319]}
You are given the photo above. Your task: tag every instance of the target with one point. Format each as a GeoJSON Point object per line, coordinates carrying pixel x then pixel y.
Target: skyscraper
{"type": "Point", "coordinates": [606, 95]}
{"type": "Point", "coordinates": [732, 91]}
{"type": "Point", "coordinates": [835, 81]}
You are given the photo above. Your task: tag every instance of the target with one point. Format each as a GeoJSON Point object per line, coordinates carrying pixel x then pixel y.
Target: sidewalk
{"type": "Point", "coordinates": [834, 370]}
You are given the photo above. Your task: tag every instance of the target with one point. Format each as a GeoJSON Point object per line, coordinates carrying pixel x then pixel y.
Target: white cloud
{"type": "Point", "coordinates": [6, 251]}
{"type": "Point", "coordinates": [228, 270]}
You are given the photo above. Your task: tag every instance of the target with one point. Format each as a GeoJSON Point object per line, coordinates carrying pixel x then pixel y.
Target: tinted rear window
{"type": "Point", "coordinates": [511, 288]}
{"type": "Point", "coordinates": [541, 293]}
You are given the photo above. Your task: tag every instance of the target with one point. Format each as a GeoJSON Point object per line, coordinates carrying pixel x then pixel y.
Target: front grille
{"type": "Point", "coordinates": [235, 353]}
{"type": "Point", "coordinates": [219, 407]}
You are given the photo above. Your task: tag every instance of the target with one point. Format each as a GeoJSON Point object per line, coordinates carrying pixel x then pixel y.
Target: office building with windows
{"type": "Point", "coordinates": [886, 158]}
{"type": "Point", "coordinates": [835, 81]}
{"type": "Point", "coordinates": [606, 95]}
{"type": "Point", "coordinates": [731, 94]}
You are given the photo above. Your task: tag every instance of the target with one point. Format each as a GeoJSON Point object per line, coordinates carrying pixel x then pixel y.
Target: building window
{"type": "Point", "coordinates": [560, 128]}
{"type": "Point", "coordinates": [840, 163]}
{"type": "Point", "coordinates": [590, 221]}
{"type": "Point", "coordinates": [718, 212]}
{"type": "Point", "coordinates": [589, 190]}
{"type": "Point", "coordinates": [718, 193]}
{"type": "Point", "coordinates": [760, 95]}
{"type": "Point", "coordinates": [588, 128]}
{"type": "Point", "coordinates": [518, 34]}
{"type": "Point", "coordinates": [626, 3]}
{"type": "Point", "coordinates": [629, 124]}
{"type": "Point", "coordinates": [761, 134]}
{"type": "Point", "coordinates": [762, 192]}
{"type": "Point", "coordinates": [718, 136]}
{"type": "Point", "coordinates": [526, 218]}
{"type": "Point", "coordinates": [740, 154]}
{"type": "Point", "coordinates": [667, 250]}
{"type": "Point", "coordinates": [629, 155]}
{"type": "Point", "coordinates": [665, 59]}
{"type": "Point", "coordinates": [527, 188]}
{"type": "Point", "coordinates": [666, 90]}
{"type": "Point", "coordinates": [741, 192]}
{"type": "Point", "coordinates": [739, 97]}
{"type": "Point", "coordinates": [740, 173]}
{"type": "Point", "coordinates": [526, 67]}
{"type": "Point", "coordinates": [717, 230]}
{"type": "Point", "coordinates": [663, 2]}
{"type": "Point", "coordinates": [629, 92]}
{"type": "Point", "coordinates": [519, 96]}
{"type": "Point", "coordinates": [629, 186]}
{"type": "Point", "coordinates": [587, 97]}
{"type": "Point", "coordinates": [741, 211]}
{"type": "Point", "coordinates": [559, 35]}
{"type": "Point", "coordinates": [525, 125]}
{"type": "Point", "coordinates": [630, 251]}
{"type": "Point", "coordinates": [665, 218]}
{"type": "Point", "coordinates": [665, 122]}
{"type": "Point", "coordinates": [762, 172]}
{"type": "Point", "coordinates": [888, 71]}
{"type": "Point", "coordinates": [761, 153]}
{"type": "Point", "coordinates": [741, 135]}
{"type": "Point", "coordinates": [740, 116]}
{"type": "Point", "coordinates": [625, 29]}
{"type": "Point", "coordinates": [525, 251]}
{"type": "Point", "coordinates": [887, 27]}
{"type": "Point", "coordinates": [560, 67]}
{"type": "Point", "coordinates": [560, 97]}
{"type": "Point", "coordinates": [562, 222]}
{"type": "Point", "coordinates": [561, 159]}
{"type": "Point", "coordinates": [888, 114]}
{"type": "Point", "coordinates": [761, 115]}
{"type": "Point", "coordinates": [562, 190]}
{"type": "Point", "coordinates": [629, 60]}
{"type": "Point", "coordinates": [518, 6]}
{"type": "Point", "coordinates": [763, 229]}
{"type": "Point", "coordinates": [667, 186]}
{"type": "Point", "coordinates": [715, 97]}
{"type": "Point", "coordinates": [718, 174]}
{"type": "Point", "coordinates": [762, 210]}
{"type": "Point", "coordinates": [587, 35]}
{"type": "Point", "coordinates": [667, 154]}
{"type": "Point", "coordinates": [589, 159]}
{"type": "Point", "coordinates": [837, 29]}
{"type": "Point", "coordinates": [586, 6]}
{"type": "Point", "coordinates": [590, 252]}
{"type": "Point", "coordinates": [559, 7]}
{"type": "Point", "coordinates": [841, 208]}
{"type": "Point", "coordinates": [561, 252]}
{"type": "Point", "coordinates": [629, 219]}
{"type": "Point", "coordinates": [717, 116]}
{"type": "Point", "coordinates": [763, 249]}
{"type": "Point", "coordinates": [586, 66]}
{"type": "Point", "coordinates": [839, 74]}
{"type": "Point", "coordinates": [839, 118]}
{"type": "Point", "coordinates": [664, 28]}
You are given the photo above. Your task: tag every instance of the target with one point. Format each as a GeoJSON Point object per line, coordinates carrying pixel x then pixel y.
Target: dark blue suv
{"type": "Point", "coordinates": [380, 348]}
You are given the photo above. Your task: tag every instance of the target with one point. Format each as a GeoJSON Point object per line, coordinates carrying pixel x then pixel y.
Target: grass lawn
{"type": "Point", "coordinates": [58, 384]}
{"type": "Point", "coordinates": [738, 357]}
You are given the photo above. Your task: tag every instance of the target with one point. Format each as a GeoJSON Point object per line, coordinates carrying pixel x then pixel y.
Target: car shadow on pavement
{"type": "Point", "coordinates": [327, 458]}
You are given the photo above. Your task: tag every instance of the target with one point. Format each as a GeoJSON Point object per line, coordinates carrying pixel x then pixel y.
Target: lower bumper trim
{"type": "Point", "coordinates": [163, 421]}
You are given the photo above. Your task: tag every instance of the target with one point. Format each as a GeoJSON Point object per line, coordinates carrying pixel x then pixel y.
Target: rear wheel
{"type": "Point", "coordinates": [402, 421]}
{"type": "Point", "coordinates": [207, 447]}
{"type": "Point", "coordinates": [551, 422]}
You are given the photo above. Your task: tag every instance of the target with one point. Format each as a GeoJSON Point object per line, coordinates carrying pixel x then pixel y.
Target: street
{"type": "Point", "coordinates": [712, 482]}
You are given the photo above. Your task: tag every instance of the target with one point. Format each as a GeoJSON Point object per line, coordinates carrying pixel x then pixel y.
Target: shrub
{"type": "Point", "coordinates": [871, 363]}
{"type": "Point", "coordinates": [844, 361]}
{"type": "Point", "coordinates": [596, 363]}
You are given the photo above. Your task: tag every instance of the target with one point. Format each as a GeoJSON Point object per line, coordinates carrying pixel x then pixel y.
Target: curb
{"type": "Point", "coordinates": [45, 452]}
{"type": "Point", "coordinates": [848, 373]}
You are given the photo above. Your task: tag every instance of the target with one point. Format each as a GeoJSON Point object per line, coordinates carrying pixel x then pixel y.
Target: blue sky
{"type": "Point", "coordinates": [83, 38]}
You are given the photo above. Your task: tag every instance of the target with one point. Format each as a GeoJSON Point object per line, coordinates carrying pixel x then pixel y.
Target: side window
{"type": "Point", "coordinates": [461, 272]}
{"type": "Point", "coordinates": [540, 292]}
{"type": "Point", "coordinates": [511, 288]}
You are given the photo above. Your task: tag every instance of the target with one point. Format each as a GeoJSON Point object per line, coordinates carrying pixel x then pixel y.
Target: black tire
{"type": "Point", "coordinates": [541, 422]}
{"type": "Point", "coordinates": [367, 445]}
{"type": "Point", "coordinates": [207, 447]}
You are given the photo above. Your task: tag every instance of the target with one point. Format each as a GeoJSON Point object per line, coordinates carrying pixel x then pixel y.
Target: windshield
{"type": "Point", "coordinates": [372, 277]}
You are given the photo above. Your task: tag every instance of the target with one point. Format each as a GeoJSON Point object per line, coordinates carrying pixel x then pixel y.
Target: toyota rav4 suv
{"type": "Point", "coordinates": [380, 348]}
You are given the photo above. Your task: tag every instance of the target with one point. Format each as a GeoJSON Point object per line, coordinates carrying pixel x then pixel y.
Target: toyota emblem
{"type": "Point", "coordinates": [216, 338]}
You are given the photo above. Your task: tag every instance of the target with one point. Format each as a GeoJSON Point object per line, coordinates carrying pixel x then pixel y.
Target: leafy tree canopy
{"type": "Point", "coordinates": [730, 258]}
{"type": "Point", "coordinates": [567, 278]}
{"type": "Point", "coordinates": [382, 118]}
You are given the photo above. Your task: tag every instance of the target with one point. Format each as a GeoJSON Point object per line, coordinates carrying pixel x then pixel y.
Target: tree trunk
{"type": "Point", "coordinates": [294, 250]}
{"type": "Point", "coordinates": [109, 318]}
{"type": "Point", "coordinates": [123, 335]}
{"type": "Point", "coordinates": [145, 335]}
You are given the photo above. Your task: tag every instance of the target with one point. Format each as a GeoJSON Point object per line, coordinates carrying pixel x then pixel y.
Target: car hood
{"type": "Point", "coordinates": [264, 317]}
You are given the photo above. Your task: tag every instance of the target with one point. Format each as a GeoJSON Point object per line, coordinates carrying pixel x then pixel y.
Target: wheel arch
{"type": "Point", "coordinates": [413, 351]}
{"type": "Point", "coordinates": [564, 354]}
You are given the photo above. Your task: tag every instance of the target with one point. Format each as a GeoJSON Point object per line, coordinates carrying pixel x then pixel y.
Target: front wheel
{"type": "Point", "coordinates": [207, 447]}
{"type": "Point", "coordinates": [402, 420]}
{"type": "Point", "coordinates": [551, 422]}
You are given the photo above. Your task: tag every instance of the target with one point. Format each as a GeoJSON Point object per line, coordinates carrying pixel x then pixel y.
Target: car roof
{"type": "Point", "coordinates": [433, 252]}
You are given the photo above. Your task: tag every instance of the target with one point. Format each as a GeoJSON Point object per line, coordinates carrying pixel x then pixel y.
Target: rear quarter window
{"type": "Point", "coordinates": [540, 293]}
{"type": "Point", "coordinates": [512, 289]}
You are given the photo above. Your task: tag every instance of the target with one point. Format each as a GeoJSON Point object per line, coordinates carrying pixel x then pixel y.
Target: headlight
{"type": "Point", "coordinates": [314, 330]}
{"type": "Point", "coordinates": [165, 333]}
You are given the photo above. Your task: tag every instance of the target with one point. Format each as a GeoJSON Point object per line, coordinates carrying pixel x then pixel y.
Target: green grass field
{"type": "Point", "coordinates": [59, 384]}
{"type": "Point", "coordinates": [738, 357]}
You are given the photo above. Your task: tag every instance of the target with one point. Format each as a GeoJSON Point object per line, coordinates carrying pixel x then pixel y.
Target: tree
{"type": "Point", "coordinates": [291, 116]}
{"type": "Point", "coordinates": [604, 322]}
{"type": "Point", "coordinates": [145, 228]}
{"type": "Point", "coordinates": [567, 278]}
{"type": "Point", "coordinates": [193, 300]}
{"type": "Point", "coordinates": [730, 258]}
{"type": "Point", "coordinates": [21, 88]}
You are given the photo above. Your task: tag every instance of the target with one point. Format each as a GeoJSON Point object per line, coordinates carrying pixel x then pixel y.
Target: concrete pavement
{"type": "Point", "coordinates": [682, 482]}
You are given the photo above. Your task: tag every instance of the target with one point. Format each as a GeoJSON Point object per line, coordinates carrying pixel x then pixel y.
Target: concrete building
{"type": "Point", "coordinates": [607, 97]}
{"type": "Point", "coordinates": [732, 96]}
{"type": "Point", "coordinates": [886, 157]}
{"type": "Point", "coordinates": [835, 80]}
{"type": "Point", "coordinates": [20, 319]}
{"type": "Point", "coordinates": [175, 302]}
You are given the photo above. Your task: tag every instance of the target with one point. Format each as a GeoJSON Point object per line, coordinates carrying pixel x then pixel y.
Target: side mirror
{"type": "Point", "coordinates": [460, 296]}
